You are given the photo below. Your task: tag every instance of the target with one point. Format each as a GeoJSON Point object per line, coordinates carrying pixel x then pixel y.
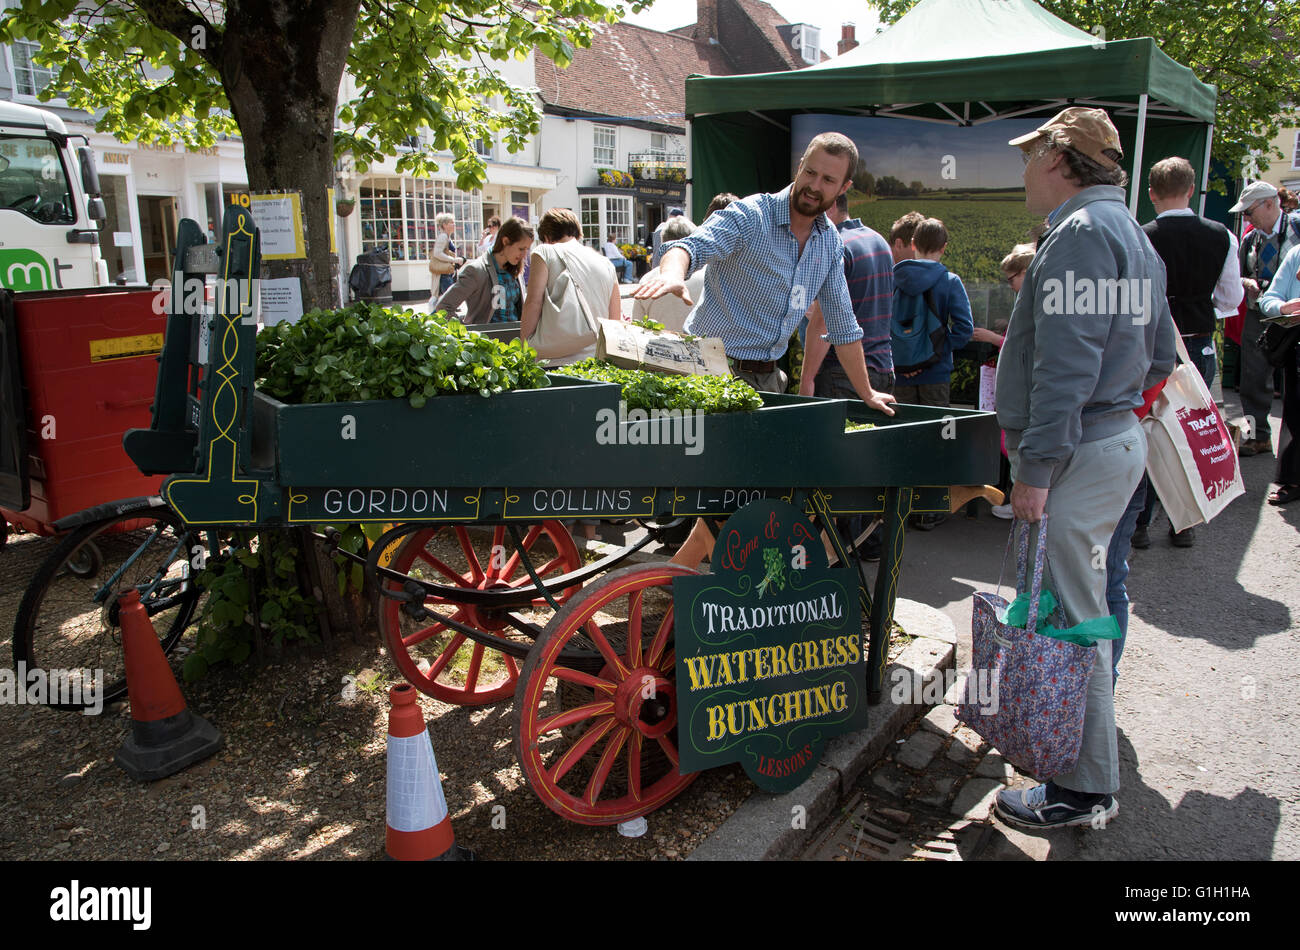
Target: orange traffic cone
{"type": "Point", "coordinates": [419, 828]}
{"type": "Point", "coordinates": [165, 736]}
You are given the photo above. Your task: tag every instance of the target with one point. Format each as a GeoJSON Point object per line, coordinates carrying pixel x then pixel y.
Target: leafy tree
{"type": "Point", "coordinates": [1244, 47]}
{"type": "Point", "coordinates": [915, 187]}
{"type": "Point", "coordinates": [888, 186]}
{"type": "Point", "coordinates": [270, 70]}
{"type": "Point", "coordinates": [863, 180]}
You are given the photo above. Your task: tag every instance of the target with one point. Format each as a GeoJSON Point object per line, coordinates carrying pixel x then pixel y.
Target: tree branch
{"type": "Point", "coordinates": [174, 18]}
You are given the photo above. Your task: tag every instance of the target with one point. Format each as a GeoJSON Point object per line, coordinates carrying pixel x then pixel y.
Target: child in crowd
{"type": "Point", "coordinates": [1013, 266]}
{"type": "Point", "coordinates": [900, 235]}
{"type": "Point", "coordinates": [931, 321]}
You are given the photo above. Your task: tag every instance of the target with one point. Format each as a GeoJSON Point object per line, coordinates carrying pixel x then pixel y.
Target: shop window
{"type": "Point", "coordinates": [399, 213]}
{"type": "Point", "coordinates": [116, 242]}
{"type": "Point", "coordinates": [602, 215]}
{"type": "Point", "coordinates": [380, 215]}
{"type": "Point", "coordinates": [521, 205]}
{"type": "Point", "coordinates": [618, 218]}
{"type": "Point", "coordinates": [591, 221]}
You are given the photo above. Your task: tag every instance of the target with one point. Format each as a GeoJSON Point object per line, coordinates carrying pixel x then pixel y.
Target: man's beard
{"type": "Point", "coordinates": [803, 197]}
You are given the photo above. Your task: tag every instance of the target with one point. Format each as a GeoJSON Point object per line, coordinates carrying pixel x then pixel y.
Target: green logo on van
{"type": "Point", "coordinates": [23, 269]}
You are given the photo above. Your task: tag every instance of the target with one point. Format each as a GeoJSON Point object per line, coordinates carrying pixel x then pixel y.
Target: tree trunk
{"type": "Point", "coordinates": [281, 63]}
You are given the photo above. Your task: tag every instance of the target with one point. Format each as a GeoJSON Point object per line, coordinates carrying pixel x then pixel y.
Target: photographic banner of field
{"type": "Point", "coordinates": [967, 177]}
{"type": "Point", "coordinates": [982, 229]}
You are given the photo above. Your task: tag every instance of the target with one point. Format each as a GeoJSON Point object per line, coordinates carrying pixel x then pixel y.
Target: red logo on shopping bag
{"type": "Point", "coordinates": [1208, 439]}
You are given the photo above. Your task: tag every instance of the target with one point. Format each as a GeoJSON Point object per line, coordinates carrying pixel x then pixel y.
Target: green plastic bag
{"type": "Point", "coordinates": [1085, 634]}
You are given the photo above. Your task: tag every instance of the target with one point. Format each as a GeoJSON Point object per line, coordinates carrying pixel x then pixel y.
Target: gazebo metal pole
{"type": "Point", "coordinates": [1205, 172]}
{"type": "Point", "coordinates": [1137, 155]}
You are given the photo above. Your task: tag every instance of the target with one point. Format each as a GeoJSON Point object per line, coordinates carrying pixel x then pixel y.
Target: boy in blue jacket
{"type": "Point", "coordinates": [931, 319]}
{"type": "Point", "coordinates": [930, 307]}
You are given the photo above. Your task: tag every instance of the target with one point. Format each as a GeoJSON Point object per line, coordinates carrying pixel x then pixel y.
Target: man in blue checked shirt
{"type": "Point", "coordinates": [770, 256]}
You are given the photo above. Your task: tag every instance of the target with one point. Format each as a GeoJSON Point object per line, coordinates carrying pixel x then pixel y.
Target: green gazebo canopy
{"type": "Point", "coordinates": [960, 63]}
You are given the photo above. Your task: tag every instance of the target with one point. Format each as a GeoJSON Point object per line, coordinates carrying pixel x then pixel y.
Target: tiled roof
{"type": "Point", "coordinates": [748, 33]}
{"type": "Point", "coordinates": [630, 72]}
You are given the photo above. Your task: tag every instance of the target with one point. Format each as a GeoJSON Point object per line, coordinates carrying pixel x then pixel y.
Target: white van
{"type": "Point", "coordinates": [50, 205]}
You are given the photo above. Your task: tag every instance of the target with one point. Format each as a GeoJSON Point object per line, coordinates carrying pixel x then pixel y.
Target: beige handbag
{"type": "Point", "coordinates": [439, 267]}
{"type": "Point", "coordinates": [566, 325]}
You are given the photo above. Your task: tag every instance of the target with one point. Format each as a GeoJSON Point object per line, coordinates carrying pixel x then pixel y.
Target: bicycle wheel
{"type": "Point", "coordinates": [68, 619]}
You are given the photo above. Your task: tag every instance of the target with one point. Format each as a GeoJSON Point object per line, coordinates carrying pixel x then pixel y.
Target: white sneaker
{"type": "Point", "coordinates": [1003, 512]}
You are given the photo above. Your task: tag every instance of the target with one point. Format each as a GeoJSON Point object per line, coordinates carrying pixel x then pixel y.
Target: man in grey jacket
{"type": "Point", "coordinates": [1091, 329]}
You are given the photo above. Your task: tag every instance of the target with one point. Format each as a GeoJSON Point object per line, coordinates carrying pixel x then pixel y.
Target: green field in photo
{"type": "Point", "coordinates": [982, 228]}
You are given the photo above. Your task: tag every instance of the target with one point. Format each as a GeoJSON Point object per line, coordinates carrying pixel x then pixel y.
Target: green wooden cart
{"type": "Point", "coordinates": [484, 593]}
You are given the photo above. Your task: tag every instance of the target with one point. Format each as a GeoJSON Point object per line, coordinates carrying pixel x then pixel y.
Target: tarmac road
{"type": "Point", "coordinates": [1206, 703]}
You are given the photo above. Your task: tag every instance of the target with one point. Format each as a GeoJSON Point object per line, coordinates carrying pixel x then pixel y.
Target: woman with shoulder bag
{"type": "Point", "coordinates": [443, 259]}
{"type": "Point", "coordinates": [1282, 299]}
{"type": "Point", "coordinates": [489, 285]}
{"type": "Point", "coordinates": [570, 289]}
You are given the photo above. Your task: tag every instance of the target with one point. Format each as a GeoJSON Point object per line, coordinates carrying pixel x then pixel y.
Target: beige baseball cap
{"type": "Point", "coordinates": [1253, 193]}
{"type": "Point", "coordinates": [1087, 130]}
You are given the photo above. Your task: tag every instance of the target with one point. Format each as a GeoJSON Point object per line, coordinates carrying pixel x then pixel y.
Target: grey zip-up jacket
{"type": "Point", "coordinates": [1090, 330]}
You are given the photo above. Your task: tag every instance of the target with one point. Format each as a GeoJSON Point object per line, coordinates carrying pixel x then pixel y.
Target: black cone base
{"type": "Point", "coordinates": [458, 852]}
{"type": "Point", "coordinates": [155, 750]}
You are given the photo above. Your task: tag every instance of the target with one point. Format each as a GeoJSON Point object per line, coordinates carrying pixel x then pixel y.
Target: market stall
{"type": "Point", "coordinates": [958, 63]}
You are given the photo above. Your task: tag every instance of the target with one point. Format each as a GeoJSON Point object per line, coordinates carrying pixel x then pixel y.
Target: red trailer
{"type": "Point", "coordinates": [77, 369]}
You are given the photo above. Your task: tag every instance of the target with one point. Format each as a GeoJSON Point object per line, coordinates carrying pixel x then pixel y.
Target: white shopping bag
{"type": "Point", "coordinates": [1191, 456]}
{"type": "Point", "coordinates": [988, 388]}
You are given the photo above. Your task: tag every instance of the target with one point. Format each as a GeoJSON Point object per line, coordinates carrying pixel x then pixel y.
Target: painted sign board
{"type": "Point", "coordinates": [771, 658]}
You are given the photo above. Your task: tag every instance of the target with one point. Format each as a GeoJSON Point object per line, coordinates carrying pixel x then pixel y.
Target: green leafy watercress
{"type": "Point", "coordinates": [365, 351]}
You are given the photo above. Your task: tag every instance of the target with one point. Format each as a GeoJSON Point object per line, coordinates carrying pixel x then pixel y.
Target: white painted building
{"type": "Point", "coordinates": [147, 189]}
{"type": "Point", "coordinates": [618, 107]}
{"type": "Point", "coordinates": [398, 210]}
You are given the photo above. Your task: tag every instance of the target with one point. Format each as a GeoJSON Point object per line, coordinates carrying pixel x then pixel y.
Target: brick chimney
{"type": "Point", "coordinates": [848, 39]}
{"type": "Point", "coordinates": [706, 20]}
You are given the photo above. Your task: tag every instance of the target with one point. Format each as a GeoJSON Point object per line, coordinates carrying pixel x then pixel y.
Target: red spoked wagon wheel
{"type": "Point", "coordinates": [596, 707]}
{"type": "Point", "coordinates": [443, 663]}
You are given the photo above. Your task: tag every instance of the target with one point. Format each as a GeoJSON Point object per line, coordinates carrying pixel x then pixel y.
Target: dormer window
{"type": "Point", "coordinates": [806, 40]}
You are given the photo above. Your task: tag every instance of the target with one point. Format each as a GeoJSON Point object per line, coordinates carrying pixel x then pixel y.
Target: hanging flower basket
{"type": "Point", "coordinates": [345, 206]}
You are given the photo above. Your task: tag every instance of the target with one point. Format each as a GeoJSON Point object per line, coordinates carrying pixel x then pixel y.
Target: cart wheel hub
{"type": "Point", "coordinates": [492, 619]}
{"type": "Point", "coordinates": [646, 701]}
